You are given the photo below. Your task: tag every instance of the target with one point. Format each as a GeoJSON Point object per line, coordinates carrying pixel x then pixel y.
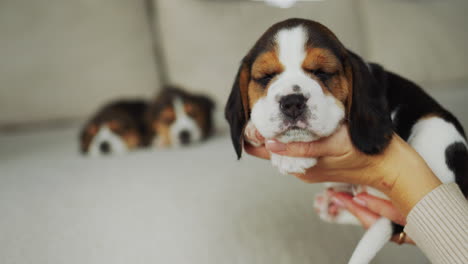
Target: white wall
{"type": "Point", "coordinates": [61, 59]}
{"type": "Point", "coordinates": [206, 40]}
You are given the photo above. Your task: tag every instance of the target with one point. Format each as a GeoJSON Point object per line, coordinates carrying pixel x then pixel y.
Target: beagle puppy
{"type": "Point", "coordinates": [298, 83]}
{"type": "Point", "coordinates": [115, 129]}
{"type": "Point", "coordinates": [179, 118]}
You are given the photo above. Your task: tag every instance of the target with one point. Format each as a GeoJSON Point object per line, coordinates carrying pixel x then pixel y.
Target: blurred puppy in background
{"type": "Point", "coordinates": [178, 118]}
{"type": "Point", "coordinates": [115, 129]}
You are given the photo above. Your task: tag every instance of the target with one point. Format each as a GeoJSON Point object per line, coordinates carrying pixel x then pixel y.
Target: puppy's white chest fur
{"type": "Point", "coordinates": [285, 164]}
{"type": "Point", "coordinates": [288, 165]}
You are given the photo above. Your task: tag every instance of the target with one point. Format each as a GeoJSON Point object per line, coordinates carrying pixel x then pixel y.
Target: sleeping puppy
{"type": "Point", "coordinates": [178, 118]}
{"type": "Point", "coordinates": [299, 83]}
{"type": "Point", "coordinates": [116, 128]}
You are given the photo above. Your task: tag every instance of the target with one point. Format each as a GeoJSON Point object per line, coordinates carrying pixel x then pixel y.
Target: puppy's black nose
{"type": "Point", "coordinates": [184, 137]}
{"type": "Point", "coordinates": [105, 147]}
{"type": "Point", "coordinates": [293, 105]}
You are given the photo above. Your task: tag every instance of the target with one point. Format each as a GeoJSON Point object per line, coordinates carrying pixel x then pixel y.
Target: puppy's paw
{"type": "Point", "coordinates": [325, 207]}
{"type": "Point", "coordinates": [288, 165]}
{"type": "Point", "coordinates": [252, 135]}
{"type": "Point", "coordinates": [331, 212]}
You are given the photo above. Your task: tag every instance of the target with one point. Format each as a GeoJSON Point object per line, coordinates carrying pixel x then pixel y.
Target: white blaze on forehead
{"type": "Point", "coordinates": [291, 48]}
{"type": "Point", "coordinates": [179, 108]}
{"type": "Point", "coordinates": [322, 116]}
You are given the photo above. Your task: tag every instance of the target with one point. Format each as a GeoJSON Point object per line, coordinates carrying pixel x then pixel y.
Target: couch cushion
{"type": "Point", "coordinates": [196, 205]}
{"type": "Point", "coordinates": [205, 40]}
{"type": "Point", "coordinates": [423, 40]}
{"type": "Point", "coordinates": [451, 95]}
{"type": "Point", "coordinates": [62, 59]}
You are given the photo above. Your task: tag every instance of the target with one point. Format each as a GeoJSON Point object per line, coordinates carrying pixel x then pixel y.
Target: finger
{"type": "Point", "coordinates": [364, 215]}
{"type": "Point", "coordinates": [381, 207]}
{"type": "Point", "coordinates": [312, 175]}
{"type": "Point", "coordinates": [252, 135]}
{"type": "Point", "coordinates": [259, 136]}
{"type": "Point", "coordinates": [335, 145]}
{"type": "Point", "coordinates": [318, 174]}
{"type": "Point", "coordinates": [260, 152]}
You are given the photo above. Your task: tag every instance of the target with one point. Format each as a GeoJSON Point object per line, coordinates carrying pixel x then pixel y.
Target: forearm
{"type": "Point", "coordinates": [438, 224]}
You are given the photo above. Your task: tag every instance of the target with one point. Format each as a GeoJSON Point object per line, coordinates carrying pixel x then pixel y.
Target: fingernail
{"type": "Point", "coordinates": [275, 146]}
{"type": "Point", "coordinates": [360, 201]}
{"type": "Point", "coordinates": [337, 202]}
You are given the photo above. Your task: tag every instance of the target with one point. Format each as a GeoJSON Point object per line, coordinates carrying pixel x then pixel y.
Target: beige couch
{"type": "Point", "coordinates": [62, 59]}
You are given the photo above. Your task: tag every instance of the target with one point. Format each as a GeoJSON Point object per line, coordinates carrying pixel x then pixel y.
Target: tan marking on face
{"type": "Point", "coordinates": [89, 133]}
{"type": "Point", "coordinates": [131, 139]}
{"type": "Point", "coordinates": [167, 116]}
{"type": "Point", "coordinates": [266, 64]}
{"type": "Point", "coordinates": [339, 86]}
{"type": "Point", "coordinates": [163, 133]}
{"type": "Point", "coordinates": [196, 112]}
{"type": "Point", "coordinates": [114, 125]}
{"type": "Point", "coordinates": [319, 58]}
{"type": "Point", "coordinates": [324, 60]}
{"type": "Point", "coordinates": [347, 81]}
{"type": "Point", "coordinates": [92, 129]}
{"type": "Point", "coordinates": [161, 126]}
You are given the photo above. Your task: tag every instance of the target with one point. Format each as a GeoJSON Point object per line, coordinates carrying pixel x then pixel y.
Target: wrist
{"type": "Point", "coordinates": [406, 178]}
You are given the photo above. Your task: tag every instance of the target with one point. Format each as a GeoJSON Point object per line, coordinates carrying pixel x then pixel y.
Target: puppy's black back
{"type": "Point", "coordinates": [410, 104]}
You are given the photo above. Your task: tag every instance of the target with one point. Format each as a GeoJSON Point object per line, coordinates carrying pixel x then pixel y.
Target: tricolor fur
{"type": "Point", "coordinates": [178, 118]}
{"type": "Point", "coordinates": [299, 83]}
{"type": "Point", "coordinates": [116, 128]}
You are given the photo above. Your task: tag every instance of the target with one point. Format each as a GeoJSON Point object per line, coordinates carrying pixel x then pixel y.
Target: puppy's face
{"type": "Point", "coordinates": [297, 84]}
{"type": "Point", "coordinates": [109, 135]}
{"type": "Point", "coordinates": [179, 119]}
{"type": "Point", "coordinates": [298, 89]}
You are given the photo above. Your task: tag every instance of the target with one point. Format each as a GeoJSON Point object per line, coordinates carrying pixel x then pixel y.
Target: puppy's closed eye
{"type": "Point", "coordinates": [321, 74]}
{"type": "Point", "coordinates": [266, 79]}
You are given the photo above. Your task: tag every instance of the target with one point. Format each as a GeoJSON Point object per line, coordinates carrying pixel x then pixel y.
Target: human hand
{"type": "Point", "coordinates": [339, 160]}
{"type": "Point", "coordinates": [399, 171]}
{"type": "Point", "coordinates": [368, 209]}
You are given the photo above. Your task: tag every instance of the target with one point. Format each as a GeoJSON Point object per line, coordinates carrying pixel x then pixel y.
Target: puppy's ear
{"type": "Point", "coordinates": [206, 102]}
{"type": "Point", "coordinates": [86, 134]}
{"type": "Point", "coordinates": [152, 113]}
{"type": "Point", "coordinates": [81, 139]}
{"type": "Point", "coordinates": [237, 107]}
{"type": "Point", "coordinates": [207, 106]}
{"type": "Point", "coordinates": [370, 125]}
